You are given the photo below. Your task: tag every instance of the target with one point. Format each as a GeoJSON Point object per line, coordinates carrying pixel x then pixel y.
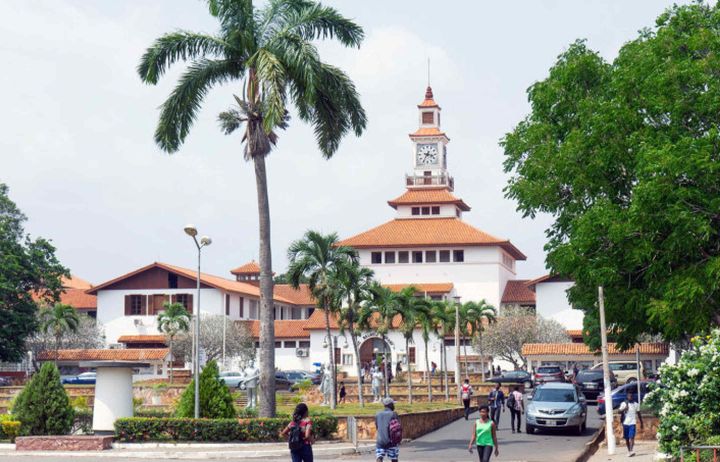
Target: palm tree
{"type": "Point", "coordinates": [354, 283]}
{"type": "Point", "coordinates": [477, 315]}
{"type": "Point", "coordinates": [380, 310]}
{"type": "Point", "coordinates": [270, 52]}
{"type": "Point", "coordinates": [319, 258]}
{"type": "Point", "coordinates": [443, 316]}
{"type": "Point", "coordinates": [411, 309]}
{"type": "Point", "coordinates": [58, 320]}
{"type": "Point", "coordinates": [173, 320]}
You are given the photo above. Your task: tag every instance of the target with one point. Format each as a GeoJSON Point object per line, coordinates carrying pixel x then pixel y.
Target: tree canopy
{"type": "Point", "coordinates": [624, 156]}
{"type": "Point", "coordinates": [28, 268]}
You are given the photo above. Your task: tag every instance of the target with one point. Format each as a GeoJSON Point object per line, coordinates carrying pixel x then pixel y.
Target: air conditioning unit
{"type": "Point", "coordinates": [117, 346]}
{"type": "Point", "coordinates": [137, 322]}
{"type": "Point", "coordinates": [302, 352]}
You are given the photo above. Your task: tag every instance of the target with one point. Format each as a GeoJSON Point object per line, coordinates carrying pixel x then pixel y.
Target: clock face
{"type": "Point", "coordinates": [427, 154]}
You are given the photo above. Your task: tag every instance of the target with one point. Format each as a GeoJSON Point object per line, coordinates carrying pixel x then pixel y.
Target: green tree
{"type": "Point", "coordinates": [411, 310]}
{"type": "Point", "coordinates": [215, 399]}
{"type": "Point", "coordinates": [624, 156]}
{"type": "Point", "coordinates": [443, 321]}
{"type": "Point", "coordinates": [59, 320]}
{"type": "Point", "coordinates": [379, 312]}
{"type": "Point", "coordinates": [318, 257]}
{"type": "Point", "coordinates": [172, 321]}
{"type": "Point", "coordinates": [475, 316]}
{"type": "Point", "coordinates": [29, 273]}
{"type": "Point", "coordinates": [43, 407]}
{"type": "Point", "coordinates": [271, 52]}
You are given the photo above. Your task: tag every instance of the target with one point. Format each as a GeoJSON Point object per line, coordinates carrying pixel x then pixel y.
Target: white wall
{"type": "Point", "coordinates": [552, 303]}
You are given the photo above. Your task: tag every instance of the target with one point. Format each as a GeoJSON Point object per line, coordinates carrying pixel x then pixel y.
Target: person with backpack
{"type": "Point", "coordinates": [389, 432]}
{"type": "Point", "coordinates": [629, 416]}
{"type": "Point", "coordinates": [466, 392]}
{"type": "Point", "coordinates": [515, 404]}
{"type": "Point", "coordinates": [496, 401]}
{"type": "Point", "coordinates": [299, 434]}
{"type": "Point", "coordinates": [484, 436]}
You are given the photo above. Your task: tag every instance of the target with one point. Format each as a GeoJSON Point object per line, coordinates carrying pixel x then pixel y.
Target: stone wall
{"type": "Point", "coordinates": [63, 443]}
{"type": "Point", "coordinates": [648, 432]}
{"type": "Point", "coordinates": [414, 425]}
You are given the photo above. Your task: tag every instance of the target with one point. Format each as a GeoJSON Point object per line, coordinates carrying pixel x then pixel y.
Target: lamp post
{"type": "Point", "coordinates": [205, 241]}
{"type": "Point", "coordinates": [457, 343]}
{"type": "Point", "coordinates": [606, 375]}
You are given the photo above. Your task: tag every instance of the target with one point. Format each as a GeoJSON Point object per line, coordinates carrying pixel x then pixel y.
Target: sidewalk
{"type": "Point", "coordinates": [644, 452]}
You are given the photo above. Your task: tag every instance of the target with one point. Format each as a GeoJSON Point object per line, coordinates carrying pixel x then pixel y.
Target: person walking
{"type": "Point", "coordinates": [466, 392]}
{"type": "Point", "coordinates": [629, 416]}
{"type": "Point", "coordinates": [484, 436]}
{"type": "Point", "coordinates": [517, 408]}
{"type": "Point", "coordinates": [496, 400]}
{"type": "Point", "coordinates": [384, 444]}
{"type": "Point", "coordinates": [375, 384]}
{"type": "Point", "coordinates": [343, 393]}
{"type": "Point", "coordinates": [433, 368]}
{"type": "Point", "coordinates": [300, 436]}
{"type": "Point", "coordinates": [398, 369]}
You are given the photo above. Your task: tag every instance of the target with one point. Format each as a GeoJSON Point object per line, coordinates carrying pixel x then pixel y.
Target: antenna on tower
{"type": "Point", "coordinates": [428, 69]}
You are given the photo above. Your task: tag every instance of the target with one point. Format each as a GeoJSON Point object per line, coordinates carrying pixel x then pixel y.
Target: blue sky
{"type": "Point", "coordinates": [77, 124]}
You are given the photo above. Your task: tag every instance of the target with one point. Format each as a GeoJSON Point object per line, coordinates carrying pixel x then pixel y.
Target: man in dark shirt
{"type": "Point", "coordinates": [496, 401]}
{"type": "Point", "coordinates": [383, 445]}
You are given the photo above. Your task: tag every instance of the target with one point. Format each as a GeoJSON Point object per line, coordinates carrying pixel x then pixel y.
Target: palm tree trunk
{"type": "Point", "coordinates": [353, 338]}
{"type": "Point", "coordinates": [445, 375]}
{"type": "Point", "coordinates": [331, 355]}
{"type": "Point", "coordinates": [385, 367]}
{"type": "Point", "coordinates": [267, 326]}
{"type": "Point", "coordinates": [172, 360]}
{"type": "Point", "coordinates": [57, 348]}
{"type": "Point", "coordinates": [427, 368]}
{"type": "Point", "coordinates": [409, 378]}
{"type": "Point", "coordinates": [482, 355]}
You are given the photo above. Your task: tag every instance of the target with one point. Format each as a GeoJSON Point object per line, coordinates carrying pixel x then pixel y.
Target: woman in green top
{"type": "Point", "coordinates": [484, 436]}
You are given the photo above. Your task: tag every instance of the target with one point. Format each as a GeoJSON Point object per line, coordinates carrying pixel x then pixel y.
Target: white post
{"type": "Point", "coordinates": [196, 359]}
{"type": "Point", "coordinates": [637, 360]}
{"type": "Point", "coordinates": [609, 434]}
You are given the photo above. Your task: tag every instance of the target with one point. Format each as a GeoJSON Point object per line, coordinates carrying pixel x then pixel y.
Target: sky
{"type": "Point", "coordinates": [76, 126]}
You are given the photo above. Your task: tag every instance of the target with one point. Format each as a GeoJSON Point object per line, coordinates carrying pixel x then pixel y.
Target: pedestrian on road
{"type": "Point", "coordinates": [496, 400]}
{"type": "Point", "coordinates": [484, 436]}
{"type": "Point", "coordinates": [300, 436]}
{"type": "Point", "coordinates": [515, 404]}
{"type": "Point", "coordinates": [384, 444]}
{"type": "Point", "coordinates": [629, 415]}
{"type": "Point", "coordinates": [466, 392]}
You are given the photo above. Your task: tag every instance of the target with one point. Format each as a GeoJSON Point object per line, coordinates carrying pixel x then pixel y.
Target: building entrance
{"type": "Point", "coordinates": [371, 349]}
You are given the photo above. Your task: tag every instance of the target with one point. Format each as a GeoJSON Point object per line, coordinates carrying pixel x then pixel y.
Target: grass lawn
{"type": "Point", "coordinates": [372, 408]}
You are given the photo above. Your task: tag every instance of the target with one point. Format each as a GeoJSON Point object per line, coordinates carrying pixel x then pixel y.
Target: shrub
{"type": "Point", "coordinates": [83, 421]}
{"type": "Point", "coordinates": [149, 412]}
{"type": "Point", "coordinates": [247, 413]}
{"type": "Point", "coordinates": [215, 399]}
{"type": "Point", "coordinates": [10, 429]}
{"type": "Point", "coordinates": [180, 429]}
{"type": "Point", "coordinates": [43, 407]}
{"type": "Point", "coordinates": [79, 402]}
{"type": "Point", "coordinates": [707, 454]}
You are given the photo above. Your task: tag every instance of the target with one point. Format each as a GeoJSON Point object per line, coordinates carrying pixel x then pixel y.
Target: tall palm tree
{"type": "Point", "coordinates": [318, 258]}
{"type": "Point", "coordinates": [443, 315]}
{"type": "Point", "coordinates": [477, 315]}
{"type": "Point", "coordinates": [58, 320]}
{"type": "Point", "coordinates": [270, 52]}
{"type": "Point", "coordinates": [411, 310]}
{"type": "Point", "coordinates": [354, 284]}
{"type": "Point", "coordinates": [379, 311]}
{"type": "Point", "coordinates": [173, 320]}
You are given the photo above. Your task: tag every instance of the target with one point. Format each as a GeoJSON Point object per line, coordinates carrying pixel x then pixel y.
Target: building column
{"type": "Point", "coordinates": [113, 397]}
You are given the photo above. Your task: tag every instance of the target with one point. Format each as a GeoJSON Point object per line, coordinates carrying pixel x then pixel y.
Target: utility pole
{"type": "Point", "coordinates": [457, 345]}
{"type": "Point", "coordinates": [606, 376]}
{"type": "Point", "coordinates": [637, 361]}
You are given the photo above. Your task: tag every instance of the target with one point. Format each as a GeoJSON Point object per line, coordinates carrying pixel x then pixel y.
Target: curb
{"type": "Point", "coordinates": [591, 446]}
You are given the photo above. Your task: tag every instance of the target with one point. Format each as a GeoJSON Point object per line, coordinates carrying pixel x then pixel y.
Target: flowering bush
{"type": "Point", "coordinates": [689, 403]}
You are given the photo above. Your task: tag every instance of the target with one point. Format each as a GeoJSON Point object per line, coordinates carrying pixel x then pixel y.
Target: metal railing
{"type": "Point", "coordinates": [430, 180]}
{"type": "Point", "coordinates": [697, 450]}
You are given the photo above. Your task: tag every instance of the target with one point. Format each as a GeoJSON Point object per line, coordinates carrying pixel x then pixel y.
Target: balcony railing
{"type": "Point", "coordinates": [441, 179]}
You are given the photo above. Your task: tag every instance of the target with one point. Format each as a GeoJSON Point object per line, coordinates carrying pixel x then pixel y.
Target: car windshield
{"type": "Point", "coordinates": [548, 370]}
{"type": "Point", "coordinates": [554, 395]}
{"type": "Point", "coordinates": [515, 374]}
{"type": "Point", "coordinates": [295, 375]}
{"type": "Point", "coordinates": [589, 375]}
{"type": "Point", "coordinates": [87, 374]}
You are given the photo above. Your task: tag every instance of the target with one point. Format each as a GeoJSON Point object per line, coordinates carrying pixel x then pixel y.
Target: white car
{"type": "Point", "coordinates": [232, 379]}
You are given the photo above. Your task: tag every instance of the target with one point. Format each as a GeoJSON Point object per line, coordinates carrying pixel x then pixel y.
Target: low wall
{"type": "Point", "coordinates": [648, 432]}
{"type": "Point", "coordinates": [63, 443]}
{"type": "Point", "coordinates": [414, 425]}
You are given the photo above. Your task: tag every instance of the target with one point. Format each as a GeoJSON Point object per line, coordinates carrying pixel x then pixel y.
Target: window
{"type": "Point", "coordinates": [158, 303]}
{"type": "Point", "coordinates": [290, 343]}
{"type": "Point", "coordinates": [415, 210]}
{"type": "Point", "coordinates": [278, 344]}
{"type": "Point", "coordinates": [376, 258]}
{"type": "Point", "coordinates": [449, 342]}
{"type": "Point", "coordinates": [134, 305]}
{"type": "Point", "coordinates": [417, 256]}
{"type": "Point", "coordinates": [172, 281]}
{"type": "Point", "coordinates": [389, 257]}
{"type": "Point", "coordinates": [436, 297]}
{"type": "Point", "coordinates": [436, 210]}
{"type": "Point", "coordinates": [310, 311]}
{"type": "Point", "coordinates": [347, 360]}
{"type": "Point", "coordinates": [304, 344]}
{"type": "Point", "coordinates": [227, 304]}
{"type": "Point", "coordinates": [185, 300]}
{"type": "Point", "coordinates": [411, 355]}
{"type": "Point", "coordinates": [337, 355]}
{"type": "Point", "coordinates": [403, 256]}
{"type": "Point", "coordinates": [430, 256]}
{"type": "Point", "coordinates": [254, 309]}
{"type": "Point", "coordinates": [444, 256]}
{"type": "Point", "coordinates": [426, 210]}
{"type": "Point", "coordinates": [257, 344]}
{"type": "Point", "coordinates": [458, 256]}
{"type": "Point", "coordinates": [242, 307]}
{"type": "Point", "coordinates": [427, 117]}
{"type": "Point", "coordinates": [508, 261]}
{"type": "Point", "coordinates": [295, 313]}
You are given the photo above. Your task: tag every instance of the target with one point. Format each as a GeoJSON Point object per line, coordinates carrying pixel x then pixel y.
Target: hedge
{"type": "Point", "coordinates": [182, 429]}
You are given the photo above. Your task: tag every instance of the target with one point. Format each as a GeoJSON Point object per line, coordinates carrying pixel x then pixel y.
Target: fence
{"type": "Point", "coordinates": [700, 451]}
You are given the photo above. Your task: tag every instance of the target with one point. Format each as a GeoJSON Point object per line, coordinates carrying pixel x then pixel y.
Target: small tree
{"type": "Point", "coordinates": [215, 399]}
{"type": "Point", "coordinates": [174, 320]}
{"type": "Point", "coordinates": [43, 407]}
{"type": "Point", "coordinates": [59, 320]}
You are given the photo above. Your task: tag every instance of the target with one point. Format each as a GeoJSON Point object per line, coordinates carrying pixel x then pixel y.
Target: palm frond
{"type": "Point", "coordinates": [317, 21]}
{"type": "Point", "coordinates": [272, 77]}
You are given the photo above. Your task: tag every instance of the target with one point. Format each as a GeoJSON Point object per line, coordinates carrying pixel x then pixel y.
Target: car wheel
{"type": "Point", "coordinates": [631, 379]}
{"type": "Point", "coordinates": [528, 384]}
{"type": "Point", "coordinates": [579, 430]}
{"type": "Point", "coordinates": [584, 425]}
{"type": "Point", "coordinates": [529, 429]}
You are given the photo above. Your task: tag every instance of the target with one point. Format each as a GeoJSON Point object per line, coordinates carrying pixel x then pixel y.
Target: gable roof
{"type": "Point", "coordinates": [518, 291]}
{"type": "Point", "coordinates": [547, 278]}
{"type": "Point", "coordinates": [428, 196]}
{"type": "Point", "coordinates": [73, 294]}
{"type": "Point", "coordinates": [130, 354]}
{"type": "Point", "coordinates": [316, 321]}
{"type": "Point", "coordinates": [428, 232]}
{"type": "Point", "coordinates": [299, 296]}
{"type": "Point", "coordinates": [582, 349]}
{"type": "Point", "coordinates": [250, 267]}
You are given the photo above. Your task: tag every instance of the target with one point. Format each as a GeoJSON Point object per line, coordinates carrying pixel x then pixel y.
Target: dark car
{"type": "Point", "coordinates": [86, 378]}
{"type": "Point", "coordinates": [519, 377]}
{"type": "Point", "coordinates": [544, 374]}
{"type": "Point", "coordinates": [619, 394]}
{"type": "Point", "coordinates": [591, 384]}
{"type": "Point", "coordinates": [5, 382]}
{"type": "Point", "coordinates": [283, 381]}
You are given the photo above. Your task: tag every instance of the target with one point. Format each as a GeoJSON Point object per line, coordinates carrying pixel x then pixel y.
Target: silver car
{"type": "Point", "coordinates": [556, 405]}
{"type": "Point", "coordinates": [232, 379]}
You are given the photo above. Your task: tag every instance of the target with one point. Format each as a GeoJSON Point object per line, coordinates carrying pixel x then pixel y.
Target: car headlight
{"type": "Point", "coordinates": [574, 410]}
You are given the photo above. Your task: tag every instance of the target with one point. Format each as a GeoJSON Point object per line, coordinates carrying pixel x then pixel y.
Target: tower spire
{"type": "Point", "coordinates": [428, 72]}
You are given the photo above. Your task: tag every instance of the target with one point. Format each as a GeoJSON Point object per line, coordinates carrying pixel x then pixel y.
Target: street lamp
{"type": "Point", "coordinates": [457, 342]}
{"type": "Point", "coordinates": [205, 241]}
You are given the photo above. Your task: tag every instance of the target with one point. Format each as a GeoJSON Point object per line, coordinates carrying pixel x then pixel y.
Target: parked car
{"type": "Point", "coordinates": [5, 382]}
{"type": "Point", "coordinates": [591, 383]}
{"type": "Point", "coordinates": [547, 374]}
{"type": "Point", "coordinates": [232, 379]}
{"type": "Point", "coordinates": [625, 371]}
{"type": "Point", "coordinates": [519, 377]}
{"type": "Point", "coordinates": [314, 377]}
{"type": "Point", "coordinates": [86, 378]}
{"type": "Point", "coordinates": [556, 405]}
{"type": "Point", "coordinates": [619, 394]}
{"type": "Point", "coordinates": [283, 381]}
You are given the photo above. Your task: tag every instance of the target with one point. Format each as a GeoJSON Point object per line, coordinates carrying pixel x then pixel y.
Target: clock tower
{"type": "Point", "coordinates": [429, 148]}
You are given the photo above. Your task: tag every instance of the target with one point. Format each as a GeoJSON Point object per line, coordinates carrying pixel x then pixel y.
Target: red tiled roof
{"type": "Point", "coordinates": [428, 131]}
{"type": "Point", "coordinates": [283, 329]}
{"type": "Point", "coordinates": [299, 296]}
{"type": "Point", "coordinates": [547, 278]}
{"type": "Point", "coordinates": [248, 268]}
{"type": "Point", "coordinates": [316, 321]}
{"type": "Point", "coordinates": [581, 349]}
{"type": "Point", "coordinates": [424, 232]}
{"type": "Point", "coordinates": [75, 282]}
{"type": "Point", "coordinates": [575, 332]}
{"type": "Point", "coordinates": [142, 339]}
{"type": "Point", "coordinates": [430, 287]}
{"type": "Point", "coordinates": [130, 354]}
{"type": "Point", "coordinates": [78, 299]}
{"type": "Point", "coordinates": [429, 100]}
{"type": "Point", "coordinates": [428, 196]}
{"type": "Point", "coordinates": [518, 292]}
